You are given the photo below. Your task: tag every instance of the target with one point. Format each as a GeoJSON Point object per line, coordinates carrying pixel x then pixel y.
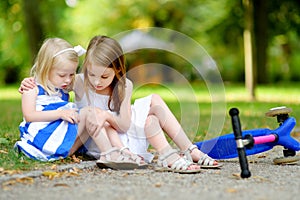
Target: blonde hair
{"type": "Point", "coordinates": [46, 60]}
{"type": "Point", "coordinates": [107, 52]}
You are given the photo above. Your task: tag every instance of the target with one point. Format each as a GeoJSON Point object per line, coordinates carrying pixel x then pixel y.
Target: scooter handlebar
{"type": "Point", "coordinates": [236, 126]}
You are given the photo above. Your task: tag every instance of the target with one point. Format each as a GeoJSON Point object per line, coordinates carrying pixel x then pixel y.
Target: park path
{"type": "Point", "coordinates": [86, 181]}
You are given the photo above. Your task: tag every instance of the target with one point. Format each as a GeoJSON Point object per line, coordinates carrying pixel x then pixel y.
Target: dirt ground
{"type": "Point", "coordinates": [86, 181]}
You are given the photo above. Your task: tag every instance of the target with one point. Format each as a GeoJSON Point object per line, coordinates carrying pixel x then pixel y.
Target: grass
{"type": "Point", "coordinates": [200, 118]}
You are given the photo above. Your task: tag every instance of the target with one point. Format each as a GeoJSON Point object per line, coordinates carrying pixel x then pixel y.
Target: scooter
{"type": "Point", "coordinates": [248, 142]}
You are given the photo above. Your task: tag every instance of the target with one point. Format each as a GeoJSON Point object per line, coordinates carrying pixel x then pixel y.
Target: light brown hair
{"type": "Point", "coordinates": [105, 51]}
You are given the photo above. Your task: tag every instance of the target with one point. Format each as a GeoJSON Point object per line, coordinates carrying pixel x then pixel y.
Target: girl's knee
{"type": "Point", "coordinates": [156, 99]}
{"type": "Point", "coordinates": [84, 111]}
{"type": "Point", "coordinates": [108, 127]}
{"type": "Point", "coordinates": [151, 120]}
{"type": "Point", "coordinates": [152, 127]}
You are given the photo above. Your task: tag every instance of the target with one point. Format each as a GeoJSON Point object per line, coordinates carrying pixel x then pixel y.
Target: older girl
{"type": "Point", "coordinates": [107, 88]}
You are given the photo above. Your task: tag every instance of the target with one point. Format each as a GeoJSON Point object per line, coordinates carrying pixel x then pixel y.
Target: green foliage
{"type": "Point", "coordinates": [216, 25]}
{"type": "Point", "coordinates": [13, 55]}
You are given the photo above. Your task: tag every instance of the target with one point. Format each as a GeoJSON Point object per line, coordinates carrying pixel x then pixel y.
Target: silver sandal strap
{"type": "Point", "coordinates": [206, 160]}
{"type": "Point", "coordinates": [131, 157]}
{"type": "Point", "coordinates": [179, 164]}
{"type": "Point", "coordinates": [107, 153]}
{"type": "Point", "coordinates": [187, 153]}
{"type": "Point", "coordinates": [162, 159]}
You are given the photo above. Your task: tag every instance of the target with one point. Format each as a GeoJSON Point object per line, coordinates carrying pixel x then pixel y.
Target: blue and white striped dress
{"type": "Point", "coordinates": [48, 141]}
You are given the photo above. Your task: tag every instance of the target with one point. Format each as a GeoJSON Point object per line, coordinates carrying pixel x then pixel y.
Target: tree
{"type": "Point", "coordinates": [260, 17]}
{"type": "Point", "coordinates": [248, 49]}
{"type": "Point", "coordinates": [33, 24]}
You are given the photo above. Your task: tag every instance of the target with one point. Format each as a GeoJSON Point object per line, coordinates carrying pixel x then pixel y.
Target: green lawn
{"type": "Point", "coordinates": [200, 118]}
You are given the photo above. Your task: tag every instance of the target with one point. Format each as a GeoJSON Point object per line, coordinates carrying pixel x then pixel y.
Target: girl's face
{"type": "Point", "coordinates": [100, 77]}
{"type": "Point", "coordinates": [62, 75]}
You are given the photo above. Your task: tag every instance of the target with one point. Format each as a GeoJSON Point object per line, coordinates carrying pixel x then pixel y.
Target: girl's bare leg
{"type": "Point", "coordinates": [101, 140]}
{"type": "Point", "coordinates": [82, 135]}
{"type": "Point", "coordinates": [168, 122]}
{"type": "Point", "coordinates": [114, 137]}
{"type": "Point", "coordinates": [157, 139]}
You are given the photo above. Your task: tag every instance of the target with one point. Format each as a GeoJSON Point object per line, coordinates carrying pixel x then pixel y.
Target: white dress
{"type": "Point", "coordinates": [48, 141]}
{"type": "Point", "coordinates": [135, 138]}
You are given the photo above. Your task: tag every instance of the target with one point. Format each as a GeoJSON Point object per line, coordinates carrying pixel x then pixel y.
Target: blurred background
{"type": "Point", "coordinates": [222, 27]}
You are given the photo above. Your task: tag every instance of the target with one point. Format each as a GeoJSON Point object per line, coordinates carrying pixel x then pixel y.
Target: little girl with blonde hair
{"type": "Point", "coordinates": [49, 126]}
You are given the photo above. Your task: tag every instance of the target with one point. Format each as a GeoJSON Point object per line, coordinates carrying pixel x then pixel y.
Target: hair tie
{"type": "Point", "coordinates": [78, 49]}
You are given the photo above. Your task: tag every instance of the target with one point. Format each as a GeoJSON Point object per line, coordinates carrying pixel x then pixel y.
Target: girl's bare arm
{"type": "Point", "coordinates": [78, 87]}
{"type": "Point", "coordinates": [122, 121]}
{"type": "Point", "coordinates": [31, 115]}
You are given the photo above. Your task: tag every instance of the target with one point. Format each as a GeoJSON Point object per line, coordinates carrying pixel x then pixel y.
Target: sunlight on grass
{"type": "Point", "coordinates": [192, 106]}
{"type": "Point", "coordinates": [269, 93]}
{"type": "Point", "coordinates": [9, 92]}
{"type": "Point", "coordinates": [265, 93]}
{"type": "Point", "coordinates": [283, 94]}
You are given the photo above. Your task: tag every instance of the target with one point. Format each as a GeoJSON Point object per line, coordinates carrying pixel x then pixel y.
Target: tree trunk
{"type": "Point", "coordinates": [33, 24]}
{"type": "Point", "coordinates": [261, 39]}
{"type": "Point", "coordinates": [248, 49]}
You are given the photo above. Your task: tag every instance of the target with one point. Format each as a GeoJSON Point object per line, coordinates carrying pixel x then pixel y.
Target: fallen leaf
{"type": "Point", "coordinates": [25, 180]}
{"type": "Point", "coordinates": [157, 184]}
{"type": "Point", "coordinates": [262, 156]}
{"type": "Point", "coordinates": [53, 167]}
{"type": "Point", "coordinates": [74, 169]}
{"type": "Point", "coordinates": [8, 183]}
{"type": "Point", "coordinates": [72, 173]}
{"type": "Point", "coordinates": [61, 185]}
{"type": "Point", "coordinates": [75, 159]}
{"type": "Point", "coordinates": [231, 190]}
{"type": "Point", "coordinates": [236, 175]}
{"type": "Point", "coordinates": [51, 174]}
{"type": "Point", "coordinates": [3, 151]}
{"type": "Point", "coordinates": [125, 174]}
{"type": "Point", "coordinates": [253, 161]}
{"type": "Point", "coordinates": [260, 178]}
{"type": "Point", "coordinates": [9, 172]}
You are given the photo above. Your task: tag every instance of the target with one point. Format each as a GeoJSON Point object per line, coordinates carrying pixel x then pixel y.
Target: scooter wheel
{"type": "Point", "coordinates": [287, 160]}
{"type": "Point", "coordinates": [273, 112]}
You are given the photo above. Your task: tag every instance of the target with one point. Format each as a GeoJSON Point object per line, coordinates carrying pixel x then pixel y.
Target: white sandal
{"type": "Point", "coordinates": [122, 162]}
{"type": "Point", "coordinates": [179, 166]}
{"type": "Point", "coordinates": [205, 161]}
{"type": "Point", "coordinates": [135, 158]}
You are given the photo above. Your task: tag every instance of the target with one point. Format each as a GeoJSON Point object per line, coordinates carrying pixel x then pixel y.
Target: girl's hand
{"type": "Point", "coordinates": [95, 121]}
{"type": "Point", "coordinates": [27, 84]}
{"type": "Point", "coordinates": [71, 115]}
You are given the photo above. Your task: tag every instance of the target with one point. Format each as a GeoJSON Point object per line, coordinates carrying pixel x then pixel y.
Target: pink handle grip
{"type": "Point", "coordinates": [264, 139]}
